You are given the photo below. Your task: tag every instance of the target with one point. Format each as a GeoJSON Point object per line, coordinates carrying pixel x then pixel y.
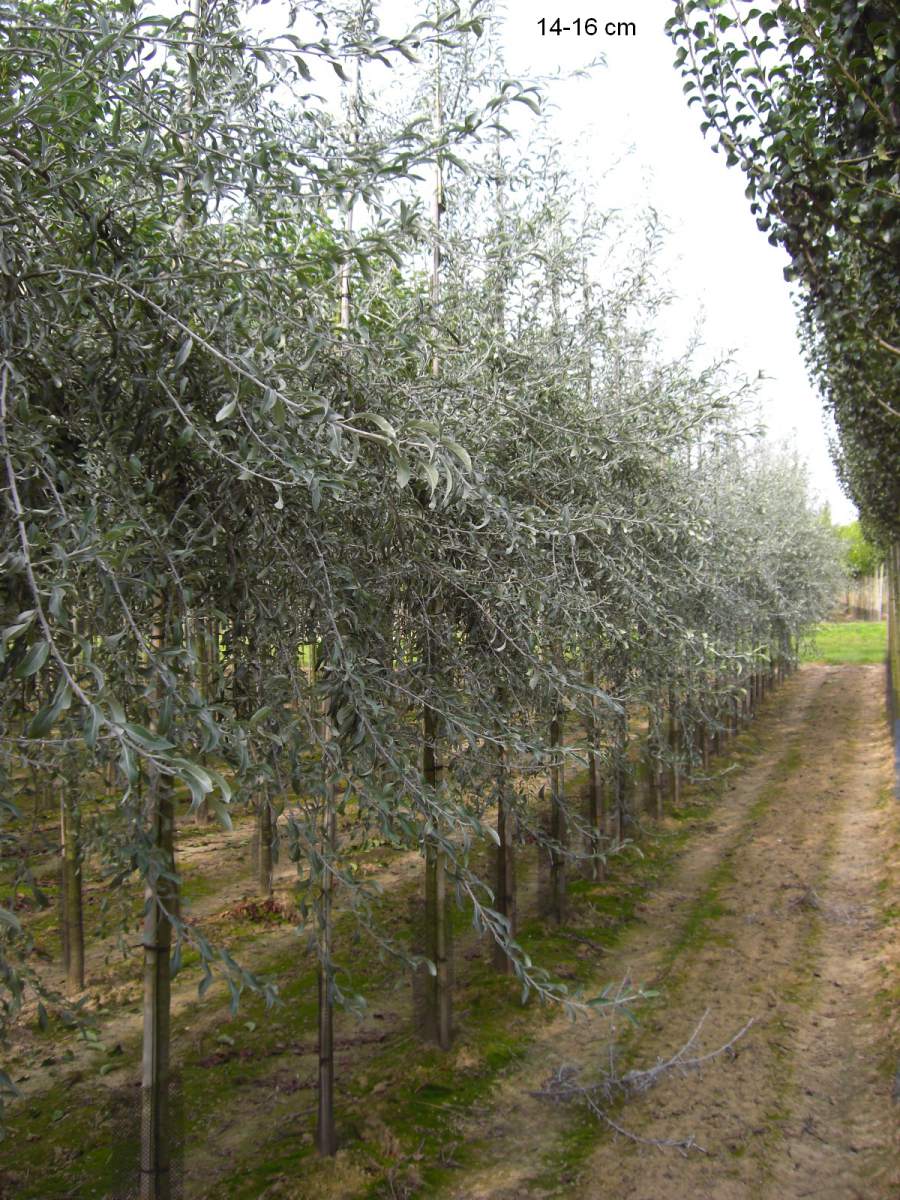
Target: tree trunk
{"type": "Point", "coordinates": [203, 651]}
{"type": "Point", "coordinates": [505, 886]}
{"type": "Point", "coordinates": [675, 769]}
{"type": "Point", "coordinates": [558, 823]}
{"type": "Point", "coordinates": [326, 1133]}
{"type": "Point", "coordinates": [595, 788]}
{"type": "Point", "coordinates": [264, 833]}
{"type": "Point", "coordinates": [893, 606]}
{"type": "Point", "coordinates": [654, 781]}
{"type": "Point", "coordinates": [438, 943]}
{"type": "Point", "coordinates": [161, 893]}
{"type": "Point", "coordinates": [620, 778]}
{"type": "Point", "coordinates": [439, 1017]}
{"type": "Point", "coordinates": [72, 912]}
{"type": "Point", "coordinates": [438, 987]}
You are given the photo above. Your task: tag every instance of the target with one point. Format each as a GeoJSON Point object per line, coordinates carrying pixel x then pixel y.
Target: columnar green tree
{"type": "Point", "coordinates": [804, 99]}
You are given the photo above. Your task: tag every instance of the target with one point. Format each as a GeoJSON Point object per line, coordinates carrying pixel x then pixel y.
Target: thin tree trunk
{"type": "Point", "coordinates": [326, 1132]}
{"type": "Point", "coordinates": [203, 653]}
{"type": "Point", "coordinates": [214, 630]}
{"type": "Point", "coordinates": [160, 906]}
{"type": "Point", "coordinates": [438, 993]}
{"type": "Point", "coordinates": [675, 768]}
{"type": "Point", "coordinates": [264, 833]}
{"type": "Point", "coordinates": [620, 777]}
{"type": "Point", "coordinates": [505, 886]}
{"type": "Point", "coordinates": [440, 1016]}
{"type": "Point", "coordinates": [893, 607]}
{"type": "Point", "coordinates": [654, 782]}
{"type": "Point", "coordinates": [595, 788]}
{"type": "Point", "coordinates": [717, 715]}
{"type": "Point", "coordinates": [558, 823]}
{"type": "Point", "coordinates": [156, 1150]}
{"type": "Point", "coordinates": [72, 911]}
{"type": "Point", "coordinates": [439, 1003]}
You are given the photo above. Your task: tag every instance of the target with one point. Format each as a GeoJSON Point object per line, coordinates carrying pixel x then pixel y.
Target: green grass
{"type": "Point", "coordinates": [856, 642]}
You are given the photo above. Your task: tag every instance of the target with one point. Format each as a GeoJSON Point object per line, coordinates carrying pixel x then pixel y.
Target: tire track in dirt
{"type": "Point", "coordinates": [737, 929]}
{"type": "Point", "coordinates": [843, 1140]}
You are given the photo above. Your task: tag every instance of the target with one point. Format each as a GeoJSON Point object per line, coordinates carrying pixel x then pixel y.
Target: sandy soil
{"type": "Point", "coordinates": [777, 915]}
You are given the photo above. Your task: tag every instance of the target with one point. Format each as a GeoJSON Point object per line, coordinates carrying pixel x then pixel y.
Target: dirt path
{"type": "Point", "coordinates": [776, 914]}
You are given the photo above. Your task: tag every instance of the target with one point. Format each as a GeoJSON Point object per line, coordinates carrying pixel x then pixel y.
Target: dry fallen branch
{"type": "Point", "coordinates": [585, 941]}
{"type": "Point", "coordinates": [564, 1086]}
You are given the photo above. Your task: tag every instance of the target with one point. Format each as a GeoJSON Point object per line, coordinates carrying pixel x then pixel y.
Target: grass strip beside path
{"type": "Point", "coordinates": [856, 642]}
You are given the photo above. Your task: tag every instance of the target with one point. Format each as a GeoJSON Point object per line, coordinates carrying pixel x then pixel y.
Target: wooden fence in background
{"type": "Point", "coordinates": [866, 599]}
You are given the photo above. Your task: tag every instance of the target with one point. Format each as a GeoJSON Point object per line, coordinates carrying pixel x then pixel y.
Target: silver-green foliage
{"type": "Point", "coordinates": [205, 473]}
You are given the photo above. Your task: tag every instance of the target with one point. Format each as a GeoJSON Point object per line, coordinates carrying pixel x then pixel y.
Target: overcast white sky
{"type": "Point", "coordinates": [716, 259]}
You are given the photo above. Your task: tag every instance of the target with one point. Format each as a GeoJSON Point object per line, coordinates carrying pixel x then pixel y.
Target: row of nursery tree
{"type": "Point", "coordinates": [345, 478]}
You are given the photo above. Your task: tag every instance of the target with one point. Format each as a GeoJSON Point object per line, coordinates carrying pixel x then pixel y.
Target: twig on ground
{"type": "Point", "coordinates": [585, 941]}
{"type": "Point", "coordinates": [564, 1086]}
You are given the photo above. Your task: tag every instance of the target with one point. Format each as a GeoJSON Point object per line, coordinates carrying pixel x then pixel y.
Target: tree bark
{"type": "Point", "coordinates": [654, 780]}
{"type": "Point", "coordinates": [326, 1132]}
{"type": "Point", "coordinates": [161, 893]}
{"type": "Point", "coordinates": [505, 886]}
{"type": "Point", "coordinates": [264, 833]}
{"type": "Point", "coordinates": [893, 605]}
{"type": "Point", "coordinates": [438, 989]}
{"type": "Point", "coordinates": [559, 833]}
{"type": "Point", "coordinates": [437, 922]}
{"type": "Point", "coordinates": [203, 651]}
{"type": "Point", "coordinates": [596, 797]}
{"type": "Point", "coordinates": [675, 768]}
{"type": "Point", "coordinates": [620, 777]}
{"type": "Point", "coordinates": [72, 910]}
{"type": "Point", "coordinates": [438, 942]}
